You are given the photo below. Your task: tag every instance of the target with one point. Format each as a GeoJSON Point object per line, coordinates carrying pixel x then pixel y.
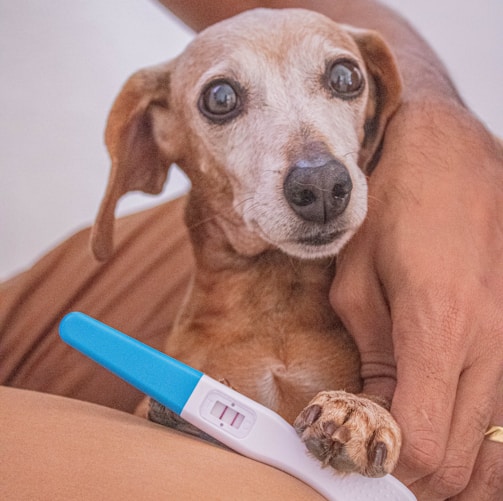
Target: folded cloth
{"type": "Point", "coordinates": [138, 291]}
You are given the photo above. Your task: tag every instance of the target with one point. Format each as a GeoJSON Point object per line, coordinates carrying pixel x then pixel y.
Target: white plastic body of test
{"type": "Point", "coordinates": [265, 436]}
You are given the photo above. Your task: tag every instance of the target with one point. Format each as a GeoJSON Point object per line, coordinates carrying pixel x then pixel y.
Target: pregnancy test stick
{"type": "Point", "coordinates": [235, 420]}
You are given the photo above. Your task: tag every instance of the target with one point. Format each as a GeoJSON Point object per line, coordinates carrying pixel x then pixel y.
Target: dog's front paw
{"type": "Point", "coordinates": [350, 433]}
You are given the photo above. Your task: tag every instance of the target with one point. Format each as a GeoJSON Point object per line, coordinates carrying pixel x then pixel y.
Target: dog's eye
{"type": "Point", "coordinates": [219, 101]}
{"type": "Point", "coordinates": [345, 79]}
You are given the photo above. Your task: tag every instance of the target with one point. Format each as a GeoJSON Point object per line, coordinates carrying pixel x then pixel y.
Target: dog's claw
{"type": "Point", "coordinates": [312, 414]}
{"type": "Point", "coordinates": [377, 455]}
{"type": "Point", "coordinates": [307, 418]}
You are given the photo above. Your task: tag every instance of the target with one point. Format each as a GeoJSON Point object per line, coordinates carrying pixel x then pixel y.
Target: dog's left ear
{"type": "Point", "coordinates": [385, 90]}
{"type": "Point", "coordinates": [138, 160]}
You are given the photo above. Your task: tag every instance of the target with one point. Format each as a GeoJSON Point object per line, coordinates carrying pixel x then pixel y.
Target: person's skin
{"type": "Point", "coordinates": [421, 285]}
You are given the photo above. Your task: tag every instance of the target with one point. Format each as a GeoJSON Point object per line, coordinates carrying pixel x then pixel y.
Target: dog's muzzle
{"type": "Point", "coordinates": [318, 193]}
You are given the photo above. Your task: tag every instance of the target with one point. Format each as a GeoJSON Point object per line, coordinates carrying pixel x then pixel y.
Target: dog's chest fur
{"type": "Point", "coordinates": [265, 325]}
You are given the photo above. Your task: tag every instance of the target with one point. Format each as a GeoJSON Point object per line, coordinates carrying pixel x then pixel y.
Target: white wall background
{"type": "Point", "coordinates": [62, 62]}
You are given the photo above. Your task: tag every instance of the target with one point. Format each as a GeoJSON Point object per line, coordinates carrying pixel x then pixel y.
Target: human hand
{"type": "Point", "coordinates": [420, 287]}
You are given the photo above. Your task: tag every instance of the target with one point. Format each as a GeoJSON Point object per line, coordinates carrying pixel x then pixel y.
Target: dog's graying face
{"type": "Point", "coordinates": [273, 115]}
{"type": "Point", "coordinates": [280, 108]}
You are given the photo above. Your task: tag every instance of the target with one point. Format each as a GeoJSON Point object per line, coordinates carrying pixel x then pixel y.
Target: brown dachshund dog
{"type": "Point", "coordinates": [276, 116]}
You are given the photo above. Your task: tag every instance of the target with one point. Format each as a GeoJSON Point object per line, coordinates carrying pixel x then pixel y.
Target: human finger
{"type": "Point", "coordinates": [427, 378]}
{"type": "Point", "coordinates": [486, 483]}
{"type": "Point", "coordinates": [475, 402]}
{"type": "Point", "coordinates": [358, 299]}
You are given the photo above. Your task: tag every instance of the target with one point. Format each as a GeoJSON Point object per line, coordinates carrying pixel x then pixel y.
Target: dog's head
{"type": "Point", "coordinates": [274, 115]}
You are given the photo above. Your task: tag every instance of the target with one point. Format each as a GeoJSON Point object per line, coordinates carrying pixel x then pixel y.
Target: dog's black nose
{"type": "Point", "coordinates": [318, 193]}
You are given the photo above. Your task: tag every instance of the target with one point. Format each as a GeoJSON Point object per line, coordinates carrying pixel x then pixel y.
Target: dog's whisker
{"type": "Point", "coordinates": [196, 224]}
{"type": "Point", "coordinates": [375, 199]}
{"type": "Point", "coordinates": [350, 153]}
{"type": "Point", "coordinates": [293, 263]}
{"type": "Point", "coordinates": [274, 171]}
{"type": "Point", "coordinates": [215, 216]}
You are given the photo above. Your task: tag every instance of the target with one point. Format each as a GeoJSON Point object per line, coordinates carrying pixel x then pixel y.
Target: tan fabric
{"type": "Point", "coordinates": [138, 291]}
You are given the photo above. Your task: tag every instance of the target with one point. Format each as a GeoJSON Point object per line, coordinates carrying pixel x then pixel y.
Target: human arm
{"type": "Point", "coordinates": [427, 268]}
{"type": "Point", "coordinates": [419, 287]}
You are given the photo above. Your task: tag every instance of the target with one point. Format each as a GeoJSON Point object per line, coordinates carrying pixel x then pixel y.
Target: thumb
{"type": "Point", "coordinates": [357, 297]}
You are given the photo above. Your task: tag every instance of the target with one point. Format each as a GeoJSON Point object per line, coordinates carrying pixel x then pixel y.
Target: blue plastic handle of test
{"type": "Point", "coordinates": [163, 378]}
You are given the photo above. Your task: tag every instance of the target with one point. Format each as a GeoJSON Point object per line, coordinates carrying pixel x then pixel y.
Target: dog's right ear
{"type": "Point", "coordinates": [138, 163]}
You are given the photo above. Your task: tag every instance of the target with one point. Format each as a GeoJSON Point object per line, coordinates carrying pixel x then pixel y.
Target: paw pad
{"type": "Point", "coordinates": [350, 433]}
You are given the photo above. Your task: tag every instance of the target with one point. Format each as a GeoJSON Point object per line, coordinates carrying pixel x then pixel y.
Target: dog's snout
{"type": "Point", "coordinates": [318, 193]}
